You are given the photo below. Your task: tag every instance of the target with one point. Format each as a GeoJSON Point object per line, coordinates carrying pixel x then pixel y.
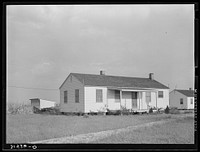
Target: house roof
{"type": "Point", "coordinates": [118, 81]}
{"type": "Point", "coordinates": [188, 93]}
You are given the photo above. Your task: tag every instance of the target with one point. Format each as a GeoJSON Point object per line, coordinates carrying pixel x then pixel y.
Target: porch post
{"type": "Point", "coordinates": [156, 99]}
{"type": "Point", "coordinates": [139, 100]}
{"type": "Point", "coordinates": [120, 99]}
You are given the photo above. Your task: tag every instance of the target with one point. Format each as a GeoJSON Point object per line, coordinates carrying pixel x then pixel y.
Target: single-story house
{"type": "Point", "coordinates": [40, 103]}
{"type": "Point", "coordinates": [182, 99]}
{"type": "Point", "coordinates": [92, 93]}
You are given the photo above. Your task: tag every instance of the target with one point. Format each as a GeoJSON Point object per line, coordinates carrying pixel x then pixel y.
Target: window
{"type": "Point", "coordinates": [77, 95]}
{"type": "Point", "coordinates": [160, 94]}
{"type": "Point", "coordinates": [99, 95]}
{"type": "Point", "coordinates": [117, 96]}
{"type": "Point", "coordinates": [65, 97]}
{"type": "Point", "coordinates": [181, 100]}
{"type": "Point", "coordinates": [70, 78]}
{"type": "Point", "coordinates": [148, 96]}
{"type": "Point", "coordinates": [134, 95]}
{"type": "Point", "coordinates": [191, 101]}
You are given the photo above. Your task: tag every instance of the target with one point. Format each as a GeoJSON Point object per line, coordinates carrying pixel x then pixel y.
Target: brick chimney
{"type": "Point", "coordinates": [102, 72]}
{"type": "Point", "coordinates": [151, 76]}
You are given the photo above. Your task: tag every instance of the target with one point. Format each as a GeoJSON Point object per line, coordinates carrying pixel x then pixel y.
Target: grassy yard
{"type": "Point", "coordinates": [33, 127]}
{"type": "Point", "coordinates": [175, 132]}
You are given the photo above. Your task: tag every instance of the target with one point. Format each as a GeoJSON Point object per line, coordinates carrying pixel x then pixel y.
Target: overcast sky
{"type": "Point", "coordinates": [46, 43]}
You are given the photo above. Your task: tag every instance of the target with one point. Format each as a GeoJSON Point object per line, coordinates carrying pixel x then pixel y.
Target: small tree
{"type": "Point", "coordinates": [167, 110]}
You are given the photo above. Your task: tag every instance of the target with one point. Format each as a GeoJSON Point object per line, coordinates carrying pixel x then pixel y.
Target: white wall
{"type": "Point", "coordinates": [163, 102]}
{"type": "Point", "coordinates": [160, 102]}
{"type": "Point", "coordinates": [46, 104]}
{"type": "Point", "coordinates": [112, 104]}
{"type": "Point", "coordinates": [175, 100]}
{"type": "Point", "coordinates": [70, 86]}
{"type": "Point", "coordinates": [90, 99]}
{"type": "Point", "coordinates": [189, 105]}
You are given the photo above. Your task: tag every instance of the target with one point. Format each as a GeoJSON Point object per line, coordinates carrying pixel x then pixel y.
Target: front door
{"type": "Point", "coordinates": [134, 100]}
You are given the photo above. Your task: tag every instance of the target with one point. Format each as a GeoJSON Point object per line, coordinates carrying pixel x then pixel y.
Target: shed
{"type": "Point", "coordinates": [41, 103]}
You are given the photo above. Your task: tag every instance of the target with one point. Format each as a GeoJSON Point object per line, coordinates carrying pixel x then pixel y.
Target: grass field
{"type": "Point", "coordinates": [175, 132]}
{"type": "Point", "coordinates": [33, 127]}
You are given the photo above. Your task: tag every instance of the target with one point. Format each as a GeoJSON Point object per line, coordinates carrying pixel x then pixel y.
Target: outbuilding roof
{"type": "Point", "coordinates": [117, 81]}
{"type": "Point", "coordinates": [188, 93]}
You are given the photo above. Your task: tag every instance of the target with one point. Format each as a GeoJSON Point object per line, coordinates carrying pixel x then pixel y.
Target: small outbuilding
{"type": "Point", "coordinates": [41, 104]}
{"type": "Point", "coordinates": [182, 99]}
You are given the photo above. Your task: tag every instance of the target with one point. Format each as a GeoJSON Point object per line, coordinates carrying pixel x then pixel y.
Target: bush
{"type": "Point", "coordinates": [125, 111]}
{"type": "Point", "coordinates": [167, 110]}
{"type": "Point", "coordinates": [14, 108]}
{"type": "Point", "coordinates": [151, 110]}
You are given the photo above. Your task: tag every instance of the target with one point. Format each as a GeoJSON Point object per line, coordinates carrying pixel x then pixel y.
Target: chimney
{"type": "Point", "coordinates": [151, 76]}
{"type": "Point", "coordinates": [102, 72]}
{"type": "Point", "coordinates": [190, 88]}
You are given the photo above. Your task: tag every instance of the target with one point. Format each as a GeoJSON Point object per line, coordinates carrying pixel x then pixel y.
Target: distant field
{"type": "Point", "coordinates": [34, 127]}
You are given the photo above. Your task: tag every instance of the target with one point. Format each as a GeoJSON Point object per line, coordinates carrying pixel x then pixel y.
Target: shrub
{"type": "Point", "coordinates": [14, 108]}
{"type": "Point", "coordinates": [125, 111]}
{"type": "Point", "coordinates": [151, 110]}
{"type": "Point", "coordinates": [167, 110]}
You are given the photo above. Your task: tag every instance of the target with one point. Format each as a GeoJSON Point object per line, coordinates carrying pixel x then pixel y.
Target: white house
{"type": "Point", "coordinates": [92, 93]}
{"type": "Point", "coordinates": [40, 103]}
{"type": "Point", "coordinates": [182, 99]}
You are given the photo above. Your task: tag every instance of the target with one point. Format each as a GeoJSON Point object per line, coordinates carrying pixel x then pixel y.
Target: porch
{"type": "Point", "coordinates": [133, 99]}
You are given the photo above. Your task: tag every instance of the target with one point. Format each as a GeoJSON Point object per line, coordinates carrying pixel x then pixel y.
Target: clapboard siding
{"type": "Point", "coordinates": [163, 102]}
{"type": "Point", "coordinates": [90, 99]}
{"type": "Point", "coordinates": [70, 85]}
{"type": "Point", "coordinates": [175, 97]}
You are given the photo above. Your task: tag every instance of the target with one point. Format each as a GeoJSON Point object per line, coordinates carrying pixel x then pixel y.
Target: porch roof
{"type": "Point", "coordinates": [133, 89]}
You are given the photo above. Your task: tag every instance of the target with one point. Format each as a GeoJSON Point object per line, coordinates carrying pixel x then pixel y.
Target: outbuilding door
{"type": "Point", "coordinates": [134, 100]}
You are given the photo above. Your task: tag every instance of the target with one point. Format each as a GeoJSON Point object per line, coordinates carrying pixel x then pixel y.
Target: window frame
{"type": "Point", "coordinates": [117, 95]}
{"type": "Point", "coordinates": [66, 96]}
{"type": "Point", "coordinates": [77, 96]}
{"type": "Point", "coordinates": [134, 95]}
{"type": "Point", "coordinates": [181, 101]}
{"type": "Point", "coordinates": [191, 101]}
{"type": "Point", "coordinates": [99, 97]}
{"type": "Point", "coordinates": [160, 95]}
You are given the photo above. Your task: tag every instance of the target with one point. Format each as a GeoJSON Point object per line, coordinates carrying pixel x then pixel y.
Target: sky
{"type": "Point", "coordinates": [45, 43]}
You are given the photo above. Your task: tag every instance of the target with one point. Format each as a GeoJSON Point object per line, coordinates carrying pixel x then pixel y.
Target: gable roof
{"type": "Point", "coordinates": [188, 93]}
{"type": "Point", "coordinates": [117, 81]}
